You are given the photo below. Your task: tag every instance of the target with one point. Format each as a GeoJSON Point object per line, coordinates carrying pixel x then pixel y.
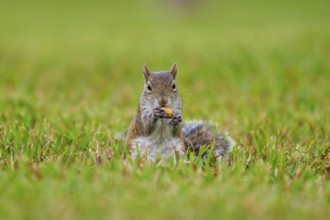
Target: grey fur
{"type": "Point", "coordinates": [199, 134]}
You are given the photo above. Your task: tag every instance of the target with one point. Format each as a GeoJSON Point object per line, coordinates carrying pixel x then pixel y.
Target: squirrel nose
{"type": "Point", "coordinates": [162, 101]}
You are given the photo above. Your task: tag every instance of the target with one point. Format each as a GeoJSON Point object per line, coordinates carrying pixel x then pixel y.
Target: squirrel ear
{"type": "Point", "coordinates": [174, 70]}
{"type": "Point", "coordinates": [146, 72]}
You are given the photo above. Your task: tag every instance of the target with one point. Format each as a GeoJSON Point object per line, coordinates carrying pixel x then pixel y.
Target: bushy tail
{"type": "Point", "coordinates": [199, 134]}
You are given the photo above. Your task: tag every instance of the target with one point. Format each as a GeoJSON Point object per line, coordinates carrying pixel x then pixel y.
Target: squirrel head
{"type": "Point", "coordinates": [160, 88]}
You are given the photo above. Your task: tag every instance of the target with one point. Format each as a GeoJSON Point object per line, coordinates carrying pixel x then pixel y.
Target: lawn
{"type": "Point", "coordinates": [71, 76]}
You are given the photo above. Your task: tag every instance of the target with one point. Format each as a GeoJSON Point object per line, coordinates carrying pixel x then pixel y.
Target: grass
{"type": "Point", "coordinates": [70, 78]}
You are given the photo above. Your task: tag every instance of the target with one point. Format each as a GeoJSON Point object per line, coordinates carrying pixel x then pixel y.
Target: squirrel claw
{"type": "Point", "coordinates": [176, 120]}
{"type": "Point", "coordinates": [159, 113]}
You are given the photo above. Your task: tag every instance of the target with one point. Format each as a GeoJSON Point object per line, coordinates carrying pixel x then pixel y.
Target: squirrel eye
{"type": "Point", "coordinates": [174, 86]}
{"type": "Point", "coordinates": [148, 88]}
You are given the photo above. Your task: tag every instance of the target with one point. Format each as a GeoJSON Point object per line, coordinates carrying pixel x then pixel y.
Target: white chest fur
{"type": "Point", "coordinates": [161, 142]}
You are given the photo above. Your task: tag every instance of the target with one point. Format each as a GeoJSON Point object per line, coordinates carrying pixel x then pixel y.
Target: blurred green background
{"type": "Point", "coordinates": [71, 76]}
{"type": "Point", "coordinates": [93, 51]}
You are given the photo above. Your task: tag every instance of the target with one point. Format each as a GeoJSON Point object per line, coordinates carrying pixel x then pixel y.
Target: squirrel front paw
{"type": "Point", "coordinates": [159, 113]}
{"type": "Point", "coordinates": [177, 119]}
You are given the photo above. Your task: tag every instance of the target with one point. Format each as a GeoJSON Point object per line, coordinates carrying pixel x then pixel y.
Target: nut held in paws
{"type": "Point", "coordinates": [168, 111]}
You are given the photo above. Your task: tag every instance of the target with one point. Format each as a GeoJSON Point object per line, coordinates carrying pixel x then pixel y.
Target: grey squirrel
{"type": "Point", "coordinates": [153, 132]}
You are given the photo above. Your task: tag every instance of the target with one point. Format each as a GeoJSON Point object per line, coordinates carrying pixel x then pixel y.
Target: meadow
{"type": "Point", "coordinates": [71, 76]}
